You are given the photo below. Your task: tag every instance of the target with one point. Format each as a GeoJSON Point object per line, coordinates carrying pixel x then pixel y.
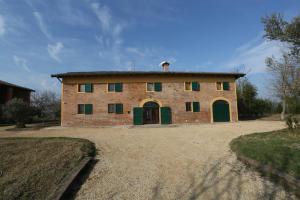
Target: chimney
{"type": "Point", "coordinates": [165, 65]}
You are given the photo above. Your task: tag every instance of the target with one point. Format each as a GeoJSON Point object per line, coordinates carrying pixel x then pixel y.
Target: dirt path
{"type": "Point", "coordinates": [184, 162]}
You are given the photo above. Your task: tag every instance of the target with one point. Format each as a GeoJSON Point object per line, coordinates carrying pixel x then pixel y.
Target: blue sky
{"type": "Point", "coordinates": [42, 37]}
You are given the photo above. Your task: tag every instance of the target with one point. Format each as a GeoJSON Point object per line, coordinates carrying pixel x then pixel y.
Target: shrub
{"type": "Point", "coordinates": [18, 111]}
{"type": "Point", "coordinates": [292, 122]}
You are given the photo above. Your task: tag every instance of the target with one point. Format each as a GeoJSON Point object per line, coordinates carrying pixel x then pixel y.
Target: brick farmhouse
{"type": "Point", "coordinates": [138, 97]}
{"type": "Point", "coordinates": [8, 91]}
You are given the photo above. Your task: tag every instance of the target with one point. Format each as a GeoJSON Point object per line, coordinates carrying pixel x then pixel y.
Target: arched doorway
{"type": "Point", "coordinates": [221, 111]}
{"type": "Point", "coordinates": [151, 113]}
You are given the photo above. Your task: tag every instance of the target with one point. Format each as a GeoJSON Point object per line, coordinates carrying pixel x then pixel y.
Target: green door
{"type": "Point", "coordinates": [166, 115]}
{"type": "Point", "coordinates": [138, 116]}
{"type": "Point", "coordinates": [221, 111]}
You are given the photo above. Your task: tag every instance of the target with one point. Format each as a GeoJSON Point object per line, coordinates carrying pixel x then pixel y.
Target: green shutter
{"type": "Point", "coordinates": [157, 87]}
{"type": "Point", "coordinates": [88, 87]}
{"type": "Point", "coordinates": [88, 109]}
{"type": "Point", "coordinates": [119, 108]}
{"type": "Point", "coordinates": [195, 86]}
{"type": "Point", "coordinates": [118, 87]}
{"type": "Point", "coordinates": [166, 116]}
{"type": "Point", "coordinates": [225, 85]}
{"type": "Point", "coordinates": [196, 107]}
{"type": "Point", "coordinates": [137, 116]}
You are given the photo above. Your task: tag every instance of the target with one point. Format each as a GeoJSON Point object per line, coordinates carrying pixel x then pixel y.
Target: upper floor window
{"type": "Point", "coordinates": [219, 85]}
{"type": "Point", "coordinates": [154, 87]}
{"type": "Point", "coordinates": [86, 87]}
{"type": "Point", "coordinates": [114, 87]}
{"type": "Point", "coordinates": [223, 86]}
{"type": "Point", "coordinates": [188, 86]}
{"type": "Point", "coordinates": [192, 86]}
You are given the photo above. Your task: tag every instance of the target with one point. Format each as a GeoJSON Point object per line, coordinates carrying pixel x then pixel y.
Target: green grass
{"type": "Point", "coordinates": [280, 149]}
{"type": "Point", "coordinates": [32, 168]}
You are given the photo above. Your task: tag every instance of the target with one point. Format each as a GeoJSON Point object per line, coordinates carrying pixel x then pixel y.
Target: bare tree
{"type": "Point", "coordinates": [46, 105]}
{"type": "Point", "coordinates": [285, 78]}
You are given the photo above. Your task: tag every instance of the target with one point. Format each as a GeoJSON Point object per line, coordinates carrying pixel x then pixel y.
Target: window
{"type": "Point", "coordinates": [192, 86]}
{"type": "Point", "coordinates": [195, 86]}
{"type": "Point", "coordinates": [226, 86]}
{"type": "Point", "coordinates": [86, 87]}
{"type": "Point", "coordinates": [157, 87]}
{"type": "Point", "coordinates": [115, 108]}
{"type": "Point", "coordinates": [111, 87]}
{"type": "Point", "coordinates": [223, 86]}
{"type": "Point", "coordinates": [80, 108]}
{"type": "Point", "coordinates": [111, 108]}
{"type": "Point", "coordinates": [114, 87]}
{"type": "Point", "coordinates": [192, 106]}
{"type": "Point", "coordinates": [85, 109]}
{"type": "Point", "coordinates": [187, 86]}
{"type": "Point", "coordinates": [196, 107]}
{"type": "Point", "coordinates": [81, 88]}
{"type": "Point", "coordinates": [188, 106]}
{"type": "Point", "coordinates": [219, 85]}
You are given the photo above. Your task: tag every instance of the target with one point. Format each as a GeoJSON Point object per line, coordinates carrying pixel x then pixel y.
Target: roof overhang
{"type": "Point", "coordinates": [144, 73]}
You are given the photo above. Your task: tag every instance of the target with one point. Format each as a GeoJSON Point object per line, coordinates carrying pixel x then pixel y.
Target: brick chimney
{"type": "Point", "coordinates": [165, 65]}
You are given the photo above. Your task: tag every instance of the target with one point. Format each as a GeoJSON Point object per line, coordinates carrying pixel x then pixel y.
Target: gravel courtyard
{"type": "Point", "coordinates": [177, 162]}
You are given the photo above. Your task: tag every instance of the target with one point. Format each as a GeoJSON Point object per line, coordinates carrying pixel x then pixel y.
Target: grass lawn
{"type": "Point", "coordinates": [31, 168]}
{"type": "Point", "coordinates": [280, 149]}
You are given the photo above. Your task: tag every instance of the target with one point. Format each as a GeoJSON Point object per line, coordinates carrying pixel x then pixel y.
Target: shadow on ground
{"type": "Point", "coordinates": [79, 181]}
{"type": "Point", "coordinates": [216, 183]}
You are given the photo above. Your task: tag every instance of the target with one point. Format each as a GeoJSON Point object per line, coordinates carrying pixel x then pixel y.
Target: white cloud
{"type": "Point", "coordinates": [135, 51]}
{"type": "Point", "coordinates": [2, 26]}
{"type": "Point", "coordinates": [21, 62]}
{"type": "Point", "coordinates": [112, 48]}
{"type": "Point", "coordinates": [42, 25]}
{"type": "Point", "coordinates": [103, 15]}
{"type": "Point", "coordinates": [54, 50]}
{"type": "Point", "coordinates": [252, 55]}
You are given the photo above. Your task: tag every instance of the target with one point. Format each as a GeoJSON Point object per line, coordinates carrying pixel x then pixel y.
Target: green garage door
{"type": "Point", "coordinates": [221, 111]}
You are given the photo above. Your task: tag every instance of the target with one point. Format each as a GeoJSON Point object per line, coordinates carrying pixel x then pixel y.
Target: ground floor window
{"type": "Point", "coordinates": [192, 106]}
{"type": "Point", "coordinates": [188, 106]}
{"type": "Point", "coordinates": [115, 108]}
{"type": "Point", "coordinates": [196, 107]}
{"type": "Point", "coordinates": [85, 109]}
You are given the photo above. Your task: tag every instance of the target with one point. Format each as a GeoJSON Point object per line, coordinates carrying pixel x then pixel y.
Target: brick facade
{"type": "Point", "coordinates": [134, 94]}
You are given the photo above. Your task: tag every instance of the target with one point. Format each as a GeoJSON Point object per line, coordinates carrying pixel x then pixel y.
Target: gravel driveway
{"type": "Point", "coordinates": [180, 162]}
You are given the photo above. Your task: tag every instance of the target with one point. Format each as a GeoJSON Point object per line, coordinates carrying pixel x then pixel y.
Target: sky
{"type": "Point", "coordinates": [41, 37]}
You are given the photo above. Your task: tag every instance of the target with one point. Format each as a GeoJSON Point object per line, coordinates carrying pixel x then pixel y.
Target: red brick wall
{"type": "Point", "coordinates": [134, 93]}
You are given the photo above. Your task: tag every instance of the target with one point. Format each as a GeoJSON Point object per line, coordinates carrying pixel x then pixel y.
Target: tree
{"type": "Point", "coordinates": [46, 105]}
{"type": "Point", "coordinates": [246, 93]}
{"type": "Point", "coordinates": [276, 28]}
{"type": "Point", "coordinates": [286, 71]}
{"type": "Point", "coordinates": [18, 111]}
{"type": "Point", "coordinates": [285, 78]}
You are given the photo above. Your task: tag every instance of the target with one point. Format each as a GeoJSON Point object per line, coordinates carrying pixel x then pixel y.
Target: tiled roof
{"type": "Point", "coordinates": [15, 86]}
